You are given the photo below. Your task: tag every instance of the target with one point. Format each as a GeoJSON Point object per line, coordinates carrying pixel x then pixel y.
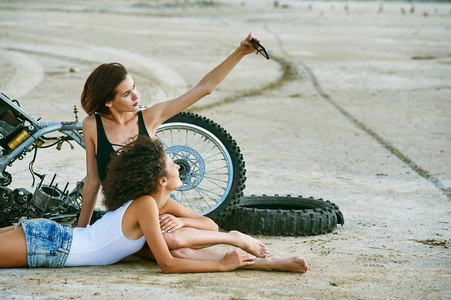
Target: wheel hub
{"type": "Point", "coordinates": [192, 166]}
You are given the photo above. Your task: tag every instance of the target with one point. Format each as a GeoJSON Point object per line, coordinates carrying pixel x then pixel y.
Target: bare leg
{"type": "Point", "coordinates": [6, 229]}
{"type": "Point", "coordinates": [198, 254]}
{"type": "Point", "coordinates": [270, 263]}
{"type": "Point", "coordinates": [13, 248]}
{"type": "Point", "coordinates": [275, 263]}
{"type": "Point", "coordinates": [205, 255]}
{"type": "Point", "coordinates": [198, 239]}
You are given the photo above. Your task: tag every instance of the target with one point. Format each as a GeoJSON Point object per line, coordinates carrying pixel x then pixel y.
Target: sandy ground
{"type": "Point", "coordinates": [353, 107]}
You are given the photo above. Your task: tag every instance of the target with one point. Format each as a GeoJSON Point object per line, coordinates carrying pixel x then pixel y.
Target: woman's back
{"type": "Point", "coordinates": [102, 243]}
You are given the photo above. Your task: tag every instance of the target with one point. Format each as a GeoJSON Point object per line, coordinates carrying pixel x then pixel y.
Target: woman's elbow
{"type": "Point", "coordinates": [205, 88]}
{"type": "Point", "coordinates": [208, 91]}
{"type": "Point", "coordinates": [167, 268]}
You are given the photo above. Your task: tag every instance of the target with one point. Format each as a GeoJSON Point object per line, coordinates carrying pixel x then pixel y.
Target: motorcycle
{"type": "Point", "coordinates": [211, 165]}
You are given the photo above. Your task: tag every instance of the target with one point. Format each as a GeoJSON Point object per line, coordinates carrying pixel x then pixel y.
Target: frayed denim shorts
{"type": "Point", "coordinates": [48, 242]}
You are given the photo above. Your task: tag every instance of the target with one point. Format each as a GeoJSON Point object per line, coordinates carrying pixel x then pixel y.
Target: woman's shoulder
{"type": "Point", "coordinates": [144, 205]}
{"type": "Point", "coordinates": [89, 126]}
{"type": "Point", "coordinates": [89, 120]}
{"type": "Point", "coordinates": [149, 113]}
{"type": "Point", "coordinates": [144, 200]}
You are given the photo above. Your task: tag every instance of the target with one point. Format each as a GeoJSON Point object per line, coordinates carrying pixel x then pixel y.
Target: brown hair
{"type": "Point", "coordinates": [134, 172]}
{"type": "Point", "coordinates": [100, 87]}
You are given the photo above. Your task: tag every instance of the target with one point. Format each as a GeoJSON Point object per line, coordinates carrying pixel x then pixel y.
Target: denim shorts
{"type": "Point", "coordinates": [48, 242]}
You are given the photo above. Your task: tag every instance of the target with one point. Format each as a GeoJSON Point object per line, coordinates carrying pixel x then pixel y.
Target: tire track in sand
{"type": "Point", "coordinates": [362, 126]}
{"type": "Point", "coordinates": [23, 73]}
{"type": "Point", "coordinates": [156, 80]}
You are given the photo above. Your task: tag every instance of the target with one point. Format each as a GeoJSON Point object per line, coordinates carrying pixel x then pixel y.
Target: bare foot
{"type": "Point", "coordinates": [249, 244]}
{"type": "Point", "coordinates": [287, 264]}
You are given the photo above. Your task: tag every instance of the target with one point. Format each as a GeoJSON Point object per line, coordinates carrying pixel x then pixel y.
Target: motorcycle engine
{"type": "Point", "coordinates": [46, 202]}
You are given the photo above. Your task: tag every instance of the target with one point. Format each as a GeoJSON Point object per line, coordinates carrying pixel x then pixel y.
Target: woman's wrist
{"type": "Point", "coordinates": [243, 50]}
{"type": "Point", "coordinates": [223, 266]}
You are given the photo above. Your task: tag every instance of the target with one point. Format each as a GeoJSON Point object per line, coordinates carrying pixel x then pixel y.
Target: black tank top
{"type": "Point", "coordinates": [105, 149]}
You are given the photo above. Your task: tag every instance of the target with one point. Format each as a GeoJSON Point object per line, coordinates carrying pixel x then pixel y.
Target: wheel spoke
{"type": "Point", "coordinates": [201, 157]}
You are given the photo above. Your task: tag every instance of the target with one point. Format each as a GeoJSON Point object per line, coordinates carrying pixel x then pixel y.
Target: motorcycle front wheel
{"type": "Point", "coordinates": [211, 164]}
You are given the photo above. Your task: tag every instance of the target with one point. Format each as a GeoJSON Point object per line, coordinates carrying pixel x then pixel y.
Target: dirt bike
{"type": "Point", "coordinates": [211, 165]}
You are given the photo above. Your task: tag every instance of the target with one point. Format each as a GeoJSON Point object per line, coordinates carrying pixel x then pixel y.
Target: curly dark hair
{"type": "Point", "coordinates": [134, 172]}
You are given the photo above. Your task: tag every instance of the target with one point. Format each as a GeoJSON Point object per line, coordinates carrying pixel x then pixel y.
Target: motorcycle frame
{"type": "Point", "coordinates": [70, 129]}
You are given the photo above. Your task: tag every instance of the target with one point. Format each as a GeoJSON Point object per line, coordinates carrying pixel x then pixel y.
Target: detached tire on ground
{"type": "Point", "coordinates": [283, 216]}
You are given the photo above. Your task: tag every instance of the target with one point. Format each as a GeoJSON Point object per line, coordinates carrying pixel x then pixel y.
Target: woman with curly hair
{"type": "Point", "coordinates": [139, 180]}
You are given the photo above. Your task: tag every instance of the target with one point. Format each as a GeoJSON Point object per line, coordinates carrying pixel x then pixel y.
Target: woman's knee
{"type": "Point", "coordinates": [174, 240]}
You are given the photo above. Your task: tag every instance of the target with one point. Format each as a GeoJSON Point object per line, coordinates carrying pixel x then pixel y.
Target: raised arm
{"type": "Point", "coordinates": [92, 181]}
{"type": "Point", "coordinates": [160, 112]}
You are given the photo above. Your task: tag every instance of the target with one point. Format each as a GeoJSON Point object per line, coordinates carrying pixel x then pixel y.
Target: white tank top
{"type": "Point", "coordinates": [102, 243]}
